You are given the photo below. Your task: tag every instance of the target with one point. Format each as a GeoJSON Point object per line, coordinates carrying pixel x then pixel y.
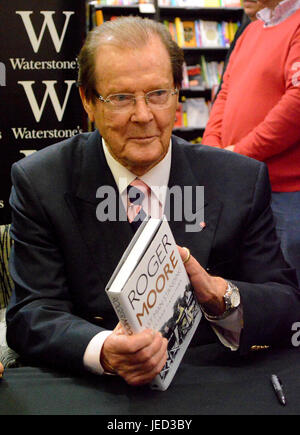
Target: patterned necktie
{"type": "Point", "coordinates": [138, 192]}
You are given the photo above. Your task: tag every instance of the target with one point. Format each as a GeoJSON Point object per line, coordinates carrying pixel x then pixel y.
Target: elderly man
{"type": "Point", "coordinates": [64, 254]}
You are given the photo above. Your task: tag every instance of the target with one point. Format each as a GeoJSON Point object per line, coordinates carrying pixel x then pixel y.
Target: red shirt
{"type": "Point", "coordinates": [258, 107]}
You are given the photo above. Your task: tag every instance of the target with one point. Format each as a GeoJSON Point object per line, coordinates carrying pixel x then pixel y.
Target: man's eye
{"type": "Point", "coordinates": [159, 93]}
{"type": "Point", "coordinates": [120, 98]}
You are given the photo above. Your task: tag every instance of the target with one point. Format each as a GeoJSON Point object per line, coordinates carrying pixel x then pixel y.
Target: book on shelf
{"type": "Point", "coordinates": [197, 112]}
{"type": "Point", "coordinates": [187, 3]}
{"type": "Point", "coordinates": [211, 71]}
{"type": "Point", "coordinates": [189, 34]}
{"type": "Point", "coordinates": [192, 112]}
{"type": "Point", "coordinates": [172, 29]}
{"type": "Point", "coordinates": [202, 33]}
{"type": "Point", "coordinates": [231, 3]}
{"type": "Point", "coordinates": [193, 77]}
{"type": "Point", "coordinates": [151, 289]}
{"type": "Point", "coordinates": [117, 2]}
{"type": "Point", "coordinates": [179, 31]}
{"type": "Point", "coordinates": [211, 3]}
{"type": "Point", "coordinates": [210, 36]}
{"type": "Point", "coordinates": [99, 17]}
{"type": "Point", "coordinates": [201, 3]}
{"type": "Point", "coordinates": [202, 76]}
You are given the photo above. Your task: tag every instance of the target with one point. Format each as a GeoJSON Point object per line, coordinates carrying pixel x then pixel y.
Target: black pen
{"type": "Point", "coordinates": [277, 385]}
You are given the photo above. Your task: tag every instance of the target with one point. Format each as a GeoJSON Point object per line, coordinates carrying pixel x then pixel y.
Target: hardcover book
{"type": "Point", "coordinates": [179, 31]}
{"type": "Point", "coordinates": [209, 34]}
{"type": "Point", "coordinates": [189, 34]}
{"type": "Point", "coordinates": [151, 289]}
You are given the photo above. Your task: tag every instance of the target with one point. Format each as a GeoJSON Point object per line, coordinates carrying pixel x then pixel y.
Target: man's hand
{"type": "Point", "coordinates": [209, 290]}
{"type": "Point", "coordinates": [1, 370]}
{"type": "Point", "coordinates": [138, 358]}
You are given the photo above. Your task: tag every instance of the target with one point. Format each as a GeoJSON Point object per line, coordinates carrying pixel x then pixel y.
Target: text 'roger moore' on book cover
{"type": "Point", "coordinates": [151, 289]}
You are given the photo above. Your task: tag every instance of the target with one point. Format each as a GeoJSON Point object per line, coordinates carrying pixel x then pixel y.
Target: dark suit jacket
{"type": "Point", "coordinates": [63, 256]}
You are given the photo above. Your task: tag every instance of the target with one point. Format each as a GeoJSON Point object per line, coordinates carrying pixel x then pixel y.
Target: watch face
{"type": "Point", "coordinates": [235, 298]}
{"type": "Point", "coordinates": [232, 298]}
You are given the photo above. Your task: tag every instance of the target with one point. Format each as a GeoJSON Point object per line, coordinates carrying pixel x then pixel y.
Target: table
{"type": "Point", "coordinates": [210, 381]}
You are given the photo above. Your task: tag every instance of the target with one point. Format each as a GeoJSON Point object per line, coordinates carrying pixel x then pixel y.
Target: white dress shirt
{"type": "Point", "coordinates": [228, 330]}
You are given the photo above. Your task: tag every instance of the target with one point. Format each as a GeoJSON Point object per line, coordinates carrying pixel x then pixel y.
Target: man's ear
{"type": "Point", "coordinates": [87, 104]}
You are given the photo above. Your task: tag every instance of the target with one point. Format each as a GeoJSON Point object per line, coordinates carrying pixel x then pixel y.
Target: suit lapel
{"type": "Point", "coordinates": [183, 173]}
{"type": "Point", "coordinates": [106, 240]}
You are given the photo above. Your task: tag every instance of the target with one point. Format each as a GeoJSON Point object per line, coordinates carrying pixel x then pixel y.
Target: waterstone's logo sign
{"type": "Point", "coordinates": [44, 89]}
{"type": "Point", "coordinates": [49, 92]}
{"type": "Point", "coordinates": [23, 64]}
{"type": "Point", "coordinates": [48, 22]}
{"type": "Point", "coordinates": [39, 100]}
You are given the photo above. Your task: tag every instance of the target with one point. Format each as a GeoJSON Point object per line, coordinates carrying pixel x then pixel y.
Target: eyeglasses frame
{"type": "Point", "coordinates": [173, 91]}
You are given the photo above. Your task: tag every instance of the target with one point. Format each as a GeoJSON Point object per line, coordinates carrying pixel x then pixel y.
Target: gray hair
{"type": "Point", "coordinates": [130, 32]}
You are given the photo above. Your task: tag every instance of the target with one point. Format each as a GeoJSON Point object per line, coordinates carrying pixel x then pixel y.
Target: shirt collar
{"type": "Point", "coordinates": [157, 178]}
{"type": "Point", "coordinates": [281, 12]}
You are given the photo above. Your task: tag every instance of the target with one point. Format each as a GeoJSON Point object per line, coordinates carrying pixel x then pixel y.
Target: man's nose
{"type": "Point", "coordinates": [141, 110]}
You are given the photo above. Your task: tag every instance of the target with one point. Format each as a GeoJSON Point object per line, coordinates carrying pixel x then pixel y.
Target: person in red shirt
{"type": "Point", "coordinates": [257, 111]}
{"type": "Point", "coordinates": [251, 7]}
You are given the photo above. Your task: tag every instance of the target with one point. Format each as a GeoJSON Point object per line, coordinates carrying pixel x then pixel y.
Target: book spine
{"type": "Point", "coordinates": [179, 31]}
{"type": "Point", "coordinates": [122, 312]}
{"type": "Point", "coordinates": [99, 18]}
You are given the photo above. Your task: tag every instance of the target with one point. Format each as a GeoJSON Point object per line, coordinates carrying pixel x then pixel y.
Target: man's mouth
{"type": "Point", "coordinates": [143, 139]}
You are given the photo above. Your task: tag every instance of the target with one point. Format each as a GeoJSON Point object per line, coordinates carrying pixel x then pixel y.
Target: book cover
{"type": "Point", "coordinates": [198, 33]}
{"type": "Point", "coordinates": [209, 34]}
{"type": "Point", "coordinates": [197, 112]}
{"type": "Point", "coordinates": [204, 71]}
{"type": "Point", "coordinates": [231, 3]}
{"type": "Point", "coordinates": [212, 3]}
{"type": "Point", "coordinates": [151, 289]}
{"type": "Point", "coordinates": [185, 77]}
{"type": "Point", "coordinates": [195, 77]}
{"type": "Point", "coordinates": [172, 30]}
{"type": "Point", "coordinates": [99, 17]}
{"type": "Point", "coordinates": [189, 34]}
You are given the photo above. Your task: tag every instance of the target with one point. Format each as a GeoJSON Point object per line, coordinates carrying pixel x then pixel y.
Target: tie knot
{"type": "Point", "coordinates": [137, 190]}
{"type": "Point", "coordinates": [137, 193]}
{"type": "Point", "coordinates": [135, 196]}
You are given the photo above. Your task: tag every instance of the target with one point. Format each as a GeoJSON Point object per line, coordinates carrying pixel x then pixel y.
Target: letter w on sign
{"type": "Point", "coordinates": [48, 22]}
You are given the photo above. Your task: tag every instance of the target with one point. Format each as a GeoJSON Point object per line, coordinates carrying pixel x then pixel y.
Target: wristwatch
{"type": "Point", "coordinates": [232, 300]}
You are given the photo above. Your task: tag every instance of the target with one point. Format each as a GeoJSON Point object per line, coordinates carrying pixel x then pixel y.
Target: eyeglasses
{"type": "Point", "coordinates": [158, 99]}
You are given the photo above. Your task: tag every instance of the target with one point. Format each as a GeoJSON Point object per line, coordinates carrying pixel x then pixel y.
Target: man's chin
{"type": "Point", "coordinates": [143, 165]}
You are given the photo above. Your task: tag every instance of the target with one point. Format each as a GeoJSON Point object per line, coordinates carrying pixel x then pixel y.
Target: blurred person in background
{"type": "Point", "coordinates": [251, 7]}
{"type": "Point", "coordinates": [257, 111]}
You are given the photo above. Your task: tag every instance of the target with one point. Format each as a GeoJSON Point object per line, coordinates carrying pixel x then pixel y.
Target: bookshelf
{"type": "Point", "coordinates": [208, 57]}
